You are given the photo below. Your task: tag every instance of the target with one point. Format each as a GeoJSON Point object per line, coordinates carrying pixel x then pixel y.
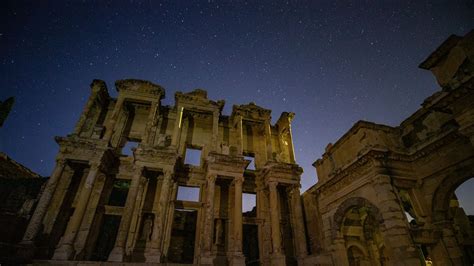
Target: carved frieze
{"type": "Point", "coordinates": [251, 111]}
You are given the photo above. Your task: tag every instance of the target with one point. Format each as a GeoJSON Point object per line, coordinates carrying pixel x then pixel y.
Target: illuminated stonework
{"type": "Point", "coordinates": [141, 182]}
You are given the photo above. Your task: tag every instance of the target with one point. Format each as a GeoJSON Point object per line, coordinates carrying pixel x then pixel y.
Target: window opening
{"type": "Point", "coordinates": [249, 204]}
{"type": "Point", "coordinates": [188, 193]}
{"type": "Point", "coordinates": [251, 158]}
{"type": "Point", "coordinates": [129, 145]}
{"type": "Point", "coordinates": [193, 157]}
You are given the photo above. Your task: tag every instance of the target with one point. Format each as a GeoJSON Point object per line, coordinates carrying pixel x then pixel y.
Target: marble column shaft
{"type": "Point", "coordinates": [209, 218]}
{"type": "Point", "coordinates": [36, 220]}
{"type": "Point", "coordinates": [90, 103]}
{"type": "Point", "coordinates": [177, 126]}
{"type": "Point", "coordinates": [65, 250]}
{"type": "Point", "coordinates": [160, 215]}
{"type": "Point", "coordinates": [152, 119]}
{"type": "Point", "coordinates": [238, 214]}
{"type": "Point", "coordinates": [299, 234]}
{"type": "Point", "coordinates": [117, 253]}
{"type": "Point", "coordinates": [113, 118]}
{"type": "Point", "coordinates": [275, 217]}
{"type": "Point", "coordinates": [215, 130]}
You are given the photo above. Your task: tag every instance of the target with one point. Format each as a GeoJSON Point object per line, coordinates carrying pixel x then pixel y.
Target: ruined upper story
{"type": "Point", "coordinates": [449, 111]}
{"type": "Point", "coordinates": [194, 122]}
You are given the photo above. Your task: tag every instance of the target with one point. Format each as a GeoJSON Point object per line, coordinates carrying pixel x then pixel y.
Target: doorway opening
{"type": "Point", "coordinates": [250, 244]}
{"type": "Point", "coordinates": [183, 235]}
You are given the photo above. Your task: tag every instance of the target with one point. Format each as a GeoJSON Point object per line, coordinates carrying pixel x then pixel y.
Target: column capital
{"type": "Point", "coordinates": [238, 179]}
{"type": "Point", "coordinates": [61, 162]}
{"type": "Point", "coordinates": [211, 177]}
{"type": "Point", "coordinates": [272, 184]}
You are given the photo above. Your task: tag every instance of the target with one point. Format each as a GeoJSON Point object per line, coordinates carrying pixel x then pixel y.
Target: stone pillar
{"type": "Point", "coordinates": [65, 250]}
{"type": "Point", "coordinates": [298, 226]}
{"type": "Point", "coordinates": [34, 225]}
{"type": "Point", "coordinates": [339, 252]}
{"type": "Point", "coordinates": [109, 131]}
{"type": "Point", "coordinates": [268, 140]}
{"type": "Point", "coordinates": [177, 126]}
{"type": "Point", "coordinates": [290, 142]}
{"type": "Point", "coordinates": [206, 250]}
{"type": "Point", "coordinates": [153, 249]}
{"type": "Point", "coordinates": [118, 252]}
{"type": "Point", "coordinates": [90, 103]}
{"type": "Point", "coordinates": [277, 258]}
{"type": "Point", "coordinates": [83, 236]}
{"type": "Point", "coordinates": [151, 122]}
{"type": "Point", "coordinates": [240, 138]}
{"type": "Point", "coordinates": [215, 130]}
{"type": "Point", "coordinates": [237, 258]}
{"type": "Point", "coordinates": [451, 245]}
{"type": "Point", "coordinates": [396, 233]}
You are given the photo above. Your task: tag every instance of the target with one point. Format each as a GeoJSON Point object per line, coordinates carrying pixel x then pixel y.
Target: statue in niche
{"type": "Point", "coordinates": [163, 140]}
{"type": "Point", "coordinates": [147, 228]}
{"type": "Point", "coordinates": [225, 148]}
{"type": "Point", "coordinates": [219, 240]}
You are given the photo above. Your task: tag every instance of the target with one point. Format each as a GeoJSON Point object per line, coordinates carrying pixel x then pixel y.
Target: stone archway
{"type": "Point", "coordinates": [357, 224]}
{"type": "Point", "coordinates": [456, 248]}
{"type": "Point", "coordinates": [349, 203]}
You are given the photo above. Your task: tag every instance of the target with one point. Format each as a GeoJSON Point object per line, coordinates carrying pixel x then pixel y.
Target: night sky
{"type": "Point", "coordinates": [331, 62]}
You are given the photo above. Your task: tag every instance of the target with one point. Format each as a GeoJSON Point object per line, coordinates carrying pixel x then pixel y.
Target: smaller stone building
{"type": "Point", "coordinates": [376, 175]}
{"type": "Point", "coordinates": [20, 189]}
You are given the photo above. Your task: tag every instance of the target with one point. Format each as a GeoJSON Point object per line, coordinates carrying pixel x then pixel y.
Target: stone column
{"type": "Point", "coordinates": [274, 216]}
{"type": "Point", "coordinates": [37, 219]}
{"type": "Point", "coordinates": [238, 258]}
{"type": "Point", "coordinates": [177, 126]}
{"type": "Point", "coordinates": [118, 252]}
{"type": "Point", "coordinates": [268, 140]}
{"type": "Point", "coordinates": [396, 234]}
{"type": "Point", "coordinates": [113, 118]}
{"type": "Point", "coordinates": [277, 256]}
{"type": "Point", "coordinates": [290, 142]}
{"type": "Point", "coordinates": [208, 220]}
{"type": "Point", "coordinates": [215, 130]}
{"type": "Point", "coordinates": [339, 252]}
{"type": "Point", "coordinates": [298, 226]}
{"type": "Point", "coordinates": [240, 138]}
{"type": "Point", "coordinates": [153, 249]}
{"type": "Point", "coordinates": [448, 239]}
{"type": "Point", "coordinates": [90, 103]}
{"type": "Point", "coordinates": [151, 122]}
{"type": "Point", "coordinates": [65, 250]}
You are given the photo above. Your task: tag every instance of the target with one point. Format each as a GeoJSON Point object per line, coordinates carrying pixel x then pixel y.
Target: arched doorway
{"type": "Point", "coordinates": [452, 198]}
{"type": "Point", "coordinates": [358, 222]}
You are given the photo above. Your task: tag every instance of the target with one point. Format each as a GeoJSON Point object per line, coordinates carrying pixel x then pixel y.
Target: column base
{"type": "Point", "coordinates": [64, 252]}
{"type": "Point", "coordinates": [207, 259]}
{"type": "Point", "coordinates": [152, 255]}
{"type": "Point", "coordinates": [237, 259]}
{"type": "Point", "coordinates": [116, 255]}
{"type": "Point", "coordinates": [278, 259]}
{"type": "Point", "coordinates": [26, 251]}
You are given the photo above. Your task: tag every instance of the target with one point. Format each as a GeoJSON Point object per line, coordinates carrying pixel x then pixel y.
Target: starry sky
{"type": "Point", "coordinates": [331, 62]}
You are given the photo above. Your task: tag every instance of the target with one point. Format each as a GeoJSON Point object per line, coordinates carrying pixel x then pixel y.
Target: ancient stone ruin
{"type": "Point", "coordinates": [138, 181]}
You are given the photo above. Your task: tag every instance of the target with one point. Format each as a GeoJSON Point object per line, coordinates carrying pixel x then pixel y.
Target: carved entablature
{"type": "Point", "coordinates": [198, 99]}
{"type": "Point", "coordinates": [140, 88]}
{"type": "Point", "coordinates": [251, 111]}
{"type": "Point", "coordinates": [221, 163]}
{"type": "Point", "coordinates": [282, 172]}
{"type": "Point", "coordinates": [156, 156]}
{"type": "Point", "coordinates": [76, 148]}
